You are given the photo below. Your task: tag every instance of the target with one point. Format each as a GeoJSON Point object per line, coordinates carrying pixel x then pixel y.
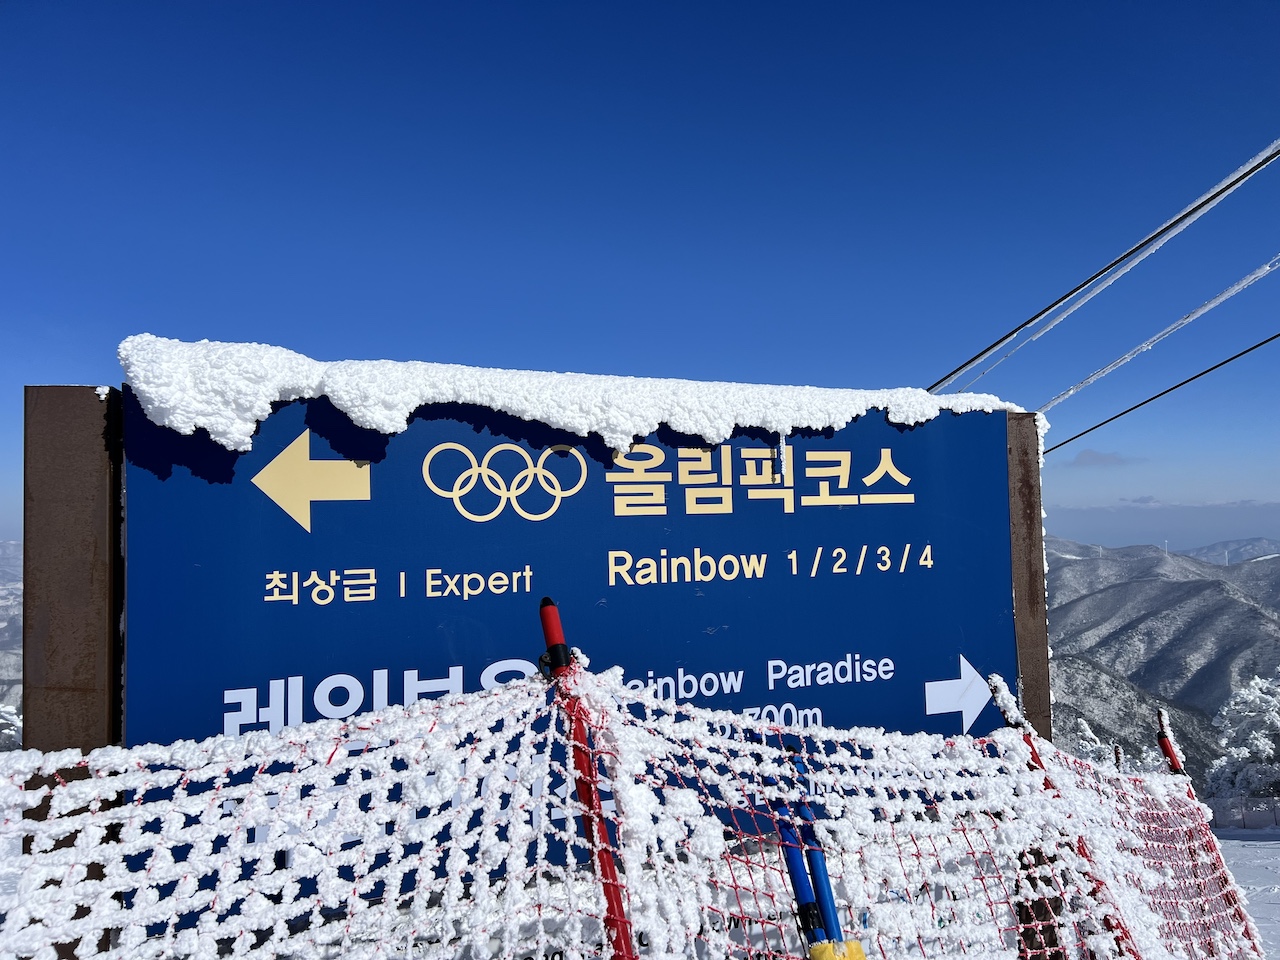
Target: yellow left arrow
{"type": "Point", "coordinates": [294, 481]}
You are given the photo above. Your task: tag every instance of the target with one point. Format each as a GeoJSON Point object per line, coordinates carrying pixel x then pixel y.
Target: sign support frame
{"type": "Point", "coordinates": [73, 571]}
{"type": "Point", "coordinates": [1026, 545]}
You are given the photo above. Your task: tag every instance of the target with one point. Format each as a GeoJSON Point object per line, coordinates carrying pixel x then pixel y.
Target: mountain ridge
{"type": "Point", "coordinates": [1235, 551]}
{"type": "Point", "coordinates": [1156, 629]}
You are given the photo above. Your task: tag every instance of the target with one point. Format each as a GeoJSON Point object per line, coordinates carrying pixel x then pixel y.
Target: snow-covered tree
{"type": "Point", "coordinates": [10, 728]}
{"type": "Point", "coordinates": [1250, 725]}
{"type": "Point", "coordinates": [1090, 747]}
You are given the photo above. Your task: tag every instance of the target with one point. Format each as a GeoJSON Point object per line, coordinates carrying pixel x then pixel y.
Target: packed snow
{"type": "Point", "coordinates": [228, 388]}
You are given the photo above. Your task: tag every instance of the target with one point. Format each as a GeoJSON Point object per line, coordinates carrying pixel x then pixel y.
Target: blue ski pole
{"type": "Point", "coordinates": [831, 939]}
{"type": "Point", "coordinates": [807, 908]}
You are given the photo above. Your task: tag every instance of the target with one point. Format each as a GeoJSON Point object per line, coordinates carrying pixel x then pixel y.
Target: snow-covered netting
{"type": "Point", "coordinates": [1183, 878]}
{"type": "Point", "coordinates": [451, 828]}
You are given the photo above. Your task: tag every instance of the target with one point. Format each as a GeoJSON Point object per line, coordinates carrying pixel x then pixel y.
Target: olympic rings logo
{"type": "Point", "coordinates": [495, 483]}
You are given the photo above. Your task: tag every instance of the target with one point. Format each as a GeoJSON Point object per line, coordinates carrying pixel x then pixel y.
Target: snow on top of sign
{"type": "Point", "coordinates": [228, 388]}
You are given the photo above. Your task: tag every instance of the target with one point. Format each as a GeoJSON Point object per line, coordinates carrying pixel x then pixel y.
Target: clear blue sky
{"type": "Point", "coordinates": [827, 193]}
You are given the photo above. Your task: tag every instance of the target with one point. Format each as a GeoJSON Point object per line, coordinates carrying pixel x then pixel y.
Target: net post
{"type": "Point", "coordinates": [1170, 749]}
{"type": "Point", "coordinates": [586, 784]}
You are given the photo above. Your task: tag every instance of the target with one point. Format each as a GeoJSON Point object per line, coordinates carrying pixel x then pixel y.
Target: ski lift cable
{"type": "Point", "coordinates": [1146, 247]}
{"type": "Point", "coordinates": [1172, 227]}
{"type": "Point", "coordinates": [1195, 314]}
{"type": "Point", "coordinates": [1098, 288]}
{"type": "Point", "coordinates": [1163, 393]}
{"type": "Point", "coordinates": [1149, 246]}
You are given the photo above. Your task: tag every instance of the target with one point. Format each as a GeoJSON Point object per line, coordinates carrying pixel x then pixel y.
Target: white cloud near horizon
{"type": "Point", "coordinates": [1089, 457]}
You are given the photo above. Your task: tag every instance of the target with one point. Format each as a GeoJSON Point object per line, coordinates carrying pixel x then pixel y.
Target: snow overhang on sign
{"type": "Point", "coordinates": [311, 540]}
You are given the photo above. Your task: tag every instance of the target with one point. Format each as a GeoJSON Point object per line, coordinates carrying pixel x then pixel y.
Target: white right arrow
{"type": "Point", "coordinates": [967, 695]}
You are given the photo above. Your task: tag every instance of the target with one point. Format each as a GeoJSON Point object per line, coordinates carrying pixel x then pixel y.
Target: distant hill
{"type": "Point", "coordinates": [10, 561]}
{"type": "Point", "coordinates": [1133, 629]}
{"type": "Point", "coordinates": [1235, 551]}
{"type": "Point", "coordinates": [10, 594]}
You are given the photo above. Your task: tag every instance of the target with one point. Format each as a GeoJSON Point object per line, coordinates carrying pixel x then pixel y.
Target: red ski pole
{"type": "Point", "coordinates": [617, 926]}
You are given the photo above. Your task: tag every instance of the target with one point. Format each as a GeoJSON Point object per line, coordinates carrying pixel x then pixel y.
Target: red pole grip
{"type": "Point", "coordinates": [553, 634]}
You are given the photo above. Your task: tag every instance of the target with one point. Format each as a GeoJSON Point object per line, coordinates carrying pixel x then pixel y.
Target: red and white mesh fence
{"type": "Point", "coordinates": [452, 828]}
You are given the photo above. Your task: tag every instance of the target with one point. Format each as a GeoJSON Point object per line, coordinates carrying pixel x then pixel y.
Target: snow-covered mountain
{"type": "Point", "coordinates": [11, 622]}
{"type": "Point", "coordinates": [1119, 712]}
{"type": "Point", "coordinates": [1134, 629]}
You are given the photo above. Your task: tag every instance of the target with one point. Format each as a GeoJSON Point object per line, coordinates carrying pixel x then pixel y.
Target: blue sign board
{"type": "Point", "coordinates": [852, 577]}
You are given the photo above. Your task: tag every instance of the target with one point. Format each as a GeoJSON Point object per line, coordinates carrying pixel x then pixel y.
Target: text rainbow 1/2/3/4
{"type": "Point", "coordinates": [881, 558]}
